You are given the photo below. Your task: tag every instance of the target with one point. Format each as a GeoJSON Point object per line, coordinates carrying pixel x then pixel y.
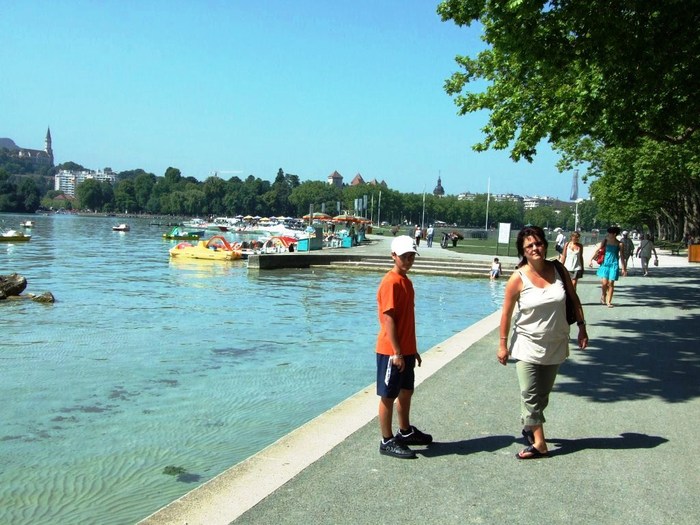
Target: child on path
{"type": "Point", "coordinates": [397, 353]}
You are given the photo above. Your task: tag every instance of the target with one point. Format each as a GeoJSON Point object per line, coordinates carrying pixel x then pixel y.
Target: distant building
{"type": "Point", "coordinates": [67, 181]}
{"type": "Point", "coordinates": [466, 196]}
{"type": "Point", "coordinates": [335, 179]}
{"type": "Point", "coordinates": [40, 158]}
{"type": "Point", "coordinates": [503, 197]}
{"type": "Point", "coordinates": [530, 203]}
{"type": "Point", "coordinates": [439, 191]}
{"type": "Point", "coordinates": [357, 180]}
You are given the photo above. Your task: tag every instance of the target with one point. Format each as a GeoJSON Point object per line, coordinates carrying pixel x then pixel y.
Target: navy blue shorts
{"type": "Point", "coordinates": [390, 381]}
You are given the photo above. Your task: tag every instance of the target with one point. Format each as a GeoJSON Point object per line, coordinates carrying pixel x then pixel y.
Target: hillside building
{"type": "Point", "coordinates": [40, 158]}
{"type": "Point", "coordinates": [67, 180]}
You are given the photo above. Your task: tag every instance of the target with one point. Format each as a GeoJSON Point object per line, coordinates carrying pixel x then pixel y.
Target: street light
{"type": "Point", "coordinates": [576, 215]}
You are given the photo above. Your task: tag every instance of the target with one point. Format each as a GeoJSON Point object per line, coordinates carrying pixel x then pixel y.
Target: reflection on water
{"type": "Point", "coordinates": [144, 363]}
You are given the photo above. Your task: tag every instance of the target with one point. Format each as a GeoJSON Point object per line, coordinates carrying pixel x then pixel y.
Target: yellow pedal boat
{"type": "Point", "coordinates": [217, 248]}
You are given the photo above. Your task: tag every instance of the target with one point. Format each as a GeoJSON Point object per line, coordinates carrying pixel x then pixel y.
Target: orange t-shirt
{"type": "Point", "coordinates": [396, 293]}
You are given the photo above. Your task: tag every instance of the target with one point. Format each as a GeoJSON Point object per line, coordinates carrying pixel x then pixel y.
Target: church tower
{"type": "Point", "coordinates": [439, 191]}
{"type": "Point", "coordinates": [48, 148]}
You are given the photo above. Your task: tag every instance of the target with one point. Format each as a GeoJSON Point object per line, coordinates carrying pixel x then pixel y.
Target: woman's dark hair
{"type": "Point", "coordinates": [614, 229]}
{"type": "Point", "coordinates": [529, 231]}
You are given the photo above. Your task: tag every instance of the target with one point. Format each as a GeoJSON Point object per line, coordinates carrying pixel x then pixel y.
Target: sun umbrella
{"type": "Point", "coordinates": [344, 217]}
{"type": "Point", "coordinates": [317, 215]}
{"type": "Point", "coordinates": [248, 217]}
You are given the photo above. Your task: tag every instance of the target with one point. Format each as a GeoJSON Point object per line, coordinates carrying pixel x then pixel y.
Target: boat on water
{"type": "Point", "coordinates": [279, 244]}
{"type": "Point", "coordinates": [123, 227]}
{"type": "Point", "coordinates": [27, 224]}
{"type": "Point", "coordinates": [216, 248]}
{"type": "Point", "coordinates": [195, 224]}
{"type": "Point", "coordinates": [13, 236]}
{"type": "Point", "coordinates": [179, 233]}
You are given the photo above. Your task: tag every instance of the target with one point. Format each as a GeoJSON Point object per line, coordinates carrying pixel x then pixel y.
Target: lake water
{"type": "Point", "coordinates": [144, 363]}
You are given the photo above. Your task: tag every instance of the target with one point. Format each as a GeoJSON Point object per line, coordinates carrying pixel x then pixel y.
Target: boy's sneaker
{"type": "Point", "coordinates": [413, 437]}
{"type": "Point", "coordinates": [395, 449]}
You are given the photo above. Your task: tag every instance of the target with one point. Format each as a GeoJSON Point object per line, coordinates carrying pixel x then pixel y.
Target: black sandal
{"type": "Point", "coordinates": [534, 453]}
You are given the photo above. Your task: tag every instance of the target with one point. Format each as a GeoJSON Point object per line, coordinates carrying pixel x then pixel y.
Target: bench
{"type": "Point", "coordinates": [676, 248]}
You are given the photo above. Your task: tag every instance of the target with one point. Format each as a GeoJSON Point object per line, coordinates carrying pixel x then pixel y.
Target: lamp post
{"type": "Point", "coordinates": [576, 215]}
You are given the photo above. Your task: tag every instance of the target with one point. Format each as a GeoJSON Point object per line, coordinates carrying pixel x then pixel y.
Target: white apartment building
{"type": "Point", "coordinates": [67, 181]}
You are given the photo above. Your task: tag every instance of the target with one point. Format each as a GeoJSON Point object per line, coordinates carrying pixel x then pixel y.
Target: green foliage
{"type": "Point", "coordinates": [18, 193]}
{"type": "Point", "coordinates": [566, 70]}
{"type": "Point", "coordinates": [15, 165]}
{"type": "Point", "coordinates": [70, 166]}
{"type": "Point", "coordinates": [654, 187]}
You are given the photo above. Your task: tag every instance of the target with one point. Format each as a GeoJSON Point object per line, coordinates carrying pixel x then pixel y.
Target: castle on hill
{"type": "Point", "coordinates": [40, 158]}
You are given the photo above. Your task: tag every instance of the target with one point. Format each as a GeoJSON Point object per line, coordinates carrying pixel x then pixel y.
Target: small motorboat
{"type": "Point", "coordinates": [27, 224]}
{"type": "Point", "coordinates": [217, 248]}
{"type": "Point", "coordinates": [123, 227]}
{"type": "Point", "coordinates": [13, 236]}
{"type": "Point", "coordinates": [180, 234]}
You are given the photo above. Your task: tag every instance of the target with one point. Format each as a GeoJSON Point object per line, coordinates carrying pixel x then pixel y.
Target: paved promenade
{"type": "Point", "coordinates": [623, 427]}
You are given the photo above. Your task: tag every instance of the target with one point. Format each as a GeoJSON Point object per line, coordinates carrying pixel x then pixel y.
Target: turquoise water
{"type": "Point", "coordinates": [144, 363]}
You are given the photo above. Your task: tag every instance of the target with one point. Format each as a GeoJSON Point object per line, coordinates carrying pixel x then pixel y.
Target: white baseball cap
{"type": "Point", "coordinates": [403, 244]}
{"type": "Point", "coordinates": [624, 232]}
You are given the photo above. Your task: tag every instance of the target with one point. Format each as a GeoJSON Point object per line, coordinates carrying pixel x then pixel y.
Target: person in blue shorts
{"type": "Point", "coordinates": [397, 353]}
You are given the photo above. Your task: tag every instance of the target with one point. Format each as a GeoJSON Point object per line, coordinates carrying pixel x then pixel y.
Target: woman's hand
{"type": "Point", "coordinates": [582, 337]}
{"type": "Point", "coordinates": [502, 355]}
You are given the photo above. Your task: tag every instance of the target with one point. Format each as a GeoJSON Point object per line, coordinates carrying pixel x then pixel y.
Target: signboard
{"type": "Point", "coordinates": [503, 232]}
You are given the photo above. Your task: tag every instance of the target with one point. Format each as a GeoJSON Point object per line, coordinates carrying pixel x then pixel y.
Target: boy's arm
{"type": "Point", "coordinates": [392, 333]}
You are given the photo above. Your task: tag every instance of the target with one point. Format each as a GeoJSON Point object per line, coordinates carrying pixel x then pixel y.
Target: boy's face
{"type": "Point", "coordinates": [403, 262]}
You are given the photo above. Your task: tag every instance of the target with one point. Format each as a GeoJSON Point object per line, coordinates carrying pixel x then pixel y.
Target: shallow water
{"type": "Point", "coordinates": [144, 363]}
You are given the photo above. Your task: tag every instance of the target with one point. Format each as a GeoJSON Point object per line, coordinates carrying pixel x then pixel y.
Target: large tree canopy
{"type": "Point", "coordinates": [613, 71]}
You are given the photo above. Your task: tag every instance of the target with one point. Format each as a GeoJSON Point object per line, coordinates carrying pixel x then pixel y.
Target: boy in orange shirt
{"type": "Point", "coordinates": [397, 353]}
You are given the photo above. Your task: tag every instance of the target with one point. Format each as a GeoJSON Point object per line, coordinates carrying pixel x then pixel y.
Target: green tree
{"type": "Point", "coordinates": [316, 193]}
{"type": "Point", "coordinates": [28, 195]}
{"type": "Point", "coordinates": [70, 166]}
{"type": "Point", "coordinates": [124, 196]}
{"type": "Point", "coordinates": [143, 186]}
{"type": "Point", "coordinates": [543, 216]}
{"type": "Point", "coordinates": [567, 69]}
{"type": "Point", "coordinates": [655, 187]}
{"type": "Point", "coordinates": [89, 195]}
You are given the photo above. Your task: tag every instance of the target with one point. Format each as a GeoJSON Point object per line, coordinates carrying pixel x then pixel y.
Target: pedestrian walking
{"type": "Point", "coordinates": [540, 337]}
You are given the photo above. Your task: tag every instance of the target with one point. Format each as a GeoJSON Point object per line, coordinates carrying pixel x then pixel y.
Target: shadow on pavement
{"type": "Point", "coordinates": [626, 441]}
{"type": "Point", "coordinates": [647, 346]}
{"type": "Point", "coordinates": [466, 446]}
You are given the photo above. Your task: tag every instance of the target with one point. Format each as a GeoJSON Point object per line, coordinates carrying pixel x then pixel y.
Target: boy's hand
{"type": "Point", "coordinates": [418, 359]}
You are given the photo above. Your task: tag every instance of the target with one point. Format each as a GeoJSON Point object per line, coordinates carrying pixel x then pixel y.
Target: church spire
{"type": "Point", "coordinates": [47, 142]}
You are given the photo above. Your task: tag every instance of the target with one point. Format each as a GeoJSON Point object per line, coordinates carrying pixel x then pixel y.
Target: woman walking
{"type": "Point", "coordinates": [646, 247]}
{"type": "Point", "coordinates": [540, 337]}
{"type": "Point", "coordinates": [572, 257]}
{"type": "Point", "coordinates": [609, 270]}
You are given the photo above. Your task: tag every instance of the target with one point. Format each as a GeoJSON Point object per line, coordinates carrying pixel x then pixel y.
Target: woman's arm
{"type": "Point", "coordinates": [580, 255]}
{"type": "Point", "coordinates": [621, 257]}
{"type": "Point", "coordinates": [562, 256]}
{"type": "Point", "coordinates": [510, 297]}
{"type": "Point", "coordinates": [578, 308]}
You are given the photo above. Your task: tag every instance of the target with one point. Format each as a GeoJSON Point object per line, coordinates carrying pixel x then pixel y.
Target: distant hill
{"type": "Point", "coordinates": [8, 143]}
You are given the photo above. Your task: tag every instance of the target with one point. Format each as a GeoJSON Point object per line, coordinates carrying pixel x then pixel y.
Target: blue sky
{"type": "Point", "coordinates": [253, 86]}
